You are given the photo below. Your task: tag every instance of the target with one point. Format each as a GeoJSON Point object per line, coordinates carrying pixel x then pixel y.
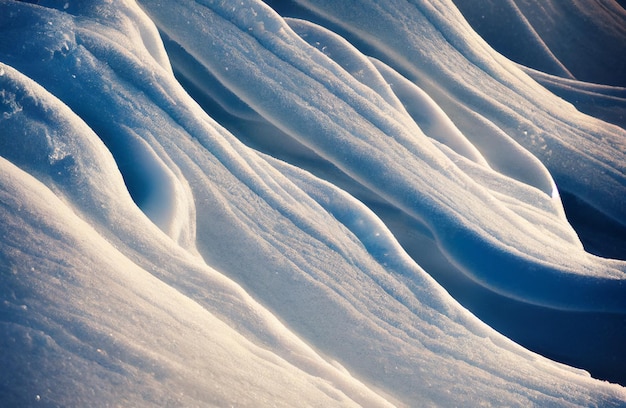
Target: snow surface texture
{"type": "Point", "coordinates": [313, 226]}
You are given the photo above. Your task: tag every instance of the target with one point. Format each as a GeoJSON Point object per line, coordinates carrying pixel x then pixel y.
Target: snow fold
{"type": "Point", "coordinates": [299, 230]}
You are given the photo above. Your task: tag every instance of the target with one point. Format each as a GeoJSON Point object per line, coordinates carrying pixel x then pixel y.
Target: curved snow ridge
{"type": "Point", "coordinates": [604, 102]}
{"type": "Point", "coordinates": [133, 232]}
{"type": "Point", "coordinates": [91, 312]}
{"type": "Point", "coordinates": [561, 31]}
{"type": "Point", "coordinates": [243, 58]}
{"type": "Point", "coordinates": [364, 150]}
{"type": "Point", "coordinates": [346, 56]}
{"type": "Point", "coordinates": [99, 292]}
{"type": "Point", "coordinates": [608, 159]}
{"type": "Point", "coordinates": [491, 147]}
{"type": "Point", "coordinates": [397, 91]}
{"type": "Point", "coordinates": [512, 20]}
{"type": "Point", "coordinates": [154, 185]}
{"type": "Point", "coordinates": [493, 88]}
{"type": "Point", "coordinates": [537, 282]}
{"type": "Point", "coordinates": [50, 142]}
{"type": "Point", "coordinates": [381, 245]}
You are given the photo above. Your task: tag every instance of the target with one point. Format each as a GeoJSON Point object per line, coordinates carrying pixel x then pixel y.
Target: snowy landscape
{"type": "Point", "coordinates": [411, 203]}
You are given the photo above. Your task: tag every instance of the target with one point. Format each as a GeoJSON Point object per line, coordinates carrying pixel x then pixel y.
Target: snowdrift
{"type": "Point", "coordinates": [312, 203]}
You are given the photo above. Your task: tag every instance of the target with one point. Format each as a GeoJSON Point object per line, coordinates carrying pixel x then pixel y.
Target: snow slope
{"type": "Point", "coordinates": [302, 230]}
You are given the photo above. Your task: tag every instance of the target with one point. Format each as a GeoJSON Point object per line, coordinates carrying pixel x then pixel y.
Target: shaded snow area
{"type": "Point", "coordinates": [312, 203]}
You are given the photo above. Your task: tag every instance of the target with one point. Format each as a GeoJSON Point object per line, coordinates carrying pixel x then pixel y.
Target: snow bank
{"type": "Point", "coordinates": [152, 258]}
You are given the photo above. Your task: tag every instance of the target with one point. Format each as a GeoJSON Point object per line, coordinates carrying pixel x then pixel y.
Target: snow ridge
{"type": "Point", "coordinates": [312, 226]}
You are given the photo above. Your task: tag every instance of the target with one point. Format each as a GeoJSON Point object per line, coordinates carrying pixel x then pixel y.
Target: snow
{"type": "Point", "coordinates": [312, 203]}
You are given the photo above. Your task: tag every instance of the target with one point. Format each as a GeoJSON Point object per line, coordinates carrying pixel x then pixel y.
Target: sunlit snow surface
{"type": "Point", "coordinates": [216, 203]}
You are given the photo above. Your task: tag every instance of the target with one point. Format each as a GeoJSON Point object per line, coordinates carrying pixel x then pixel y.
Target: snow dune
{"type": "Point", "coordinates": [302, 230]}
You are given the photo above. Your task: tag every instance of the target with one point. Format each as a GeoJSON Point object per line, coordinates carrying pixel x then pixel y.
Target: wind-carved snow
{"type": "Point", "coordinates": [150, 257]}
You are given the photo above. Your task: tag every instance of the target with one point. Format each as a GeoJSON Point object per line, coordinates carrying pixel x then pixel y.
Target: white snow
{"type": "Point", "coordinates": [330, 204]}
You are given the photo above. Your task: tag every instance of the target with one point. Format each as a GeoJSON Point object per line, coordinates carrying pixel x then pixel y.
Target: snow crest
{"type": "Point", "coordinates": [311, 202]}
